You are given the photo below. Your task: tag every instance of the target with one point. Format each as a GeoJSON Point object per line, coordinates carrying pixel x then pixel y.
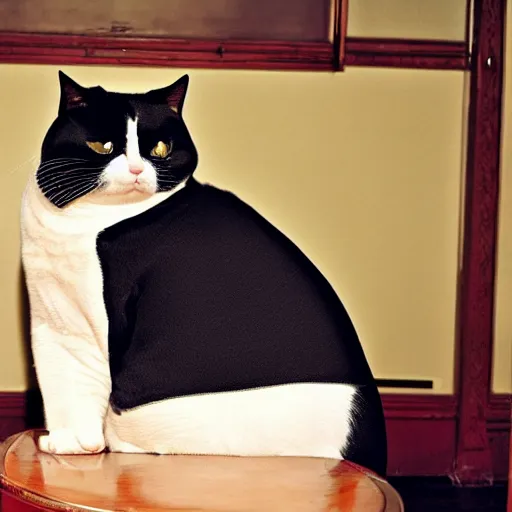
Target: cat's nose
{"type": "Point", "coordinates": [136, 169]}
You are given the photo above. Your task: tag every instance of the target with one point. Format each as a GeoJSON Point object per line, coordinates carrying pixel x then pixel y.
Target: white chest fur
{"type": "Point", "coordinates": [69, 324]}
{"type": "Point", "coordinates": [59, 252]}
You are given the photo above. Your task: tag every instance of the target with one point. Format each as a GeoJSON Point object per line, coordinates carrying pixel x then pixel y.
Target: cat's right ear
{"type": "Point", "coordinates": [72, 94]}
{"type": "Point", "coordinates": [172, 95]}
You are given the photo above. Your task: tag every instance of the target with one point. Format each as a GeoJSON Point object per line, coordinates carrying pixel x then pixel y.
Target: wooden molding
{"type": "Point", "coordinates": [75, 49]}
{"type": "Point", "coordinates": [271, 55]}
{"type": "Point", "coordinates": [473, 463]}
{"type": "Point", "coordinates": [406, 53]}
{"type": "Point", "coordinates": [421, 429]}
{"type": "Point", "coordinates": [499, 410]}
{"type": "Point", "coordinates": [427, 407]}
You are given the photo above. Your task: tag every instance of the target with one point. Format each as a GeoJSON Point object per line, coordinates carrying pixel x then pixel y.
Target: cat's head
{"type": "Point", "coordinates": [119, 147]}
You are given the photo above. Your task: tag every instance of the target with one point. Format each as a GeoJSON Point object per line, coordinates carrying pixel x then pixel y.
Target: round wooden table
{"type": "Point", "coordinates": [32, 481]}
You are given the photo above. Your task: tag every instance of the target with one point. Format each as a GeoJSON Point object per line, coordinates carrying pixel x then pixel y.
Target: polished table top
{"type": "Point", "coordinates": [143, 482]}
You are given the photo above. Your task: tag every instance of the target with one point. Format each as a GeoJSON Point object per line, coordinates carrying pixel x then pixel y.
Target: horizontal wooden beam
{"type": "Point", "coordinates": [75, 49]}
{"type": "Point", "coordinates": [407, 53]}
{"type": "Point", "coordinates": [117, 50]}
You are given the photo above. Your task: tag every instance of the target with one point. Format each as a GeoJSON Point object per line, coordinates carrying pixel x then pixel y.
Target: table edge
{"type": "Point", "coordinates": [29, 496]}
{"type": "Point", "coordinates": [391, 496]}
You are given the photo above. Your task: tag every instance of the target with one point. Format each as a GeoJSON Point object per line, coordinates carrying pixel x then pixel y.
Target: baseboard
{"type": "Point", "coordinates": [421, 434]}
{"type": "Point", "coordinates": [498, 428]}
{"type": "Point", "coordinates": [421, 430]}
{"type": "Point", "coordinates": [12, 413]}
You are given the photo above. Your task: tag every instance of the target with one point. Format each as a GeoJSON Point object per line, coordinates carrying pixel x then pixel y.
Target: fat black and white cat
{"type": "Point", "coordinates": [168, 316]}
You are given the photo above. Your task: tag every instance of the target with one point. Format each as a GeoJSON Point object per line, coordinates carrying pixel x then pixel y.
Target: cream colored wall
{"type": "Point", "coordinates": [413, 19]}
{"type": "Point", "coordinates": [361, 169]}
{"type": "Point", "coordinates": [502, 370]}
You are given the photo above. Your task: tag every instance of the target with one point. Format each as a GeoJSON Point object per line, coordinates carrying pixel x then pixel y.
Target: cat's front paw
{"type": "Point", "coordinates": [66, 441]}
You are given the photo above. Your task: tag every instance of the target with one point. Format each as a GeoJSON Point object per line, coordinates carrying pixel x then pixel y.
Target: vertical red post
{"type": "Point", "coordinates": [473, 463]}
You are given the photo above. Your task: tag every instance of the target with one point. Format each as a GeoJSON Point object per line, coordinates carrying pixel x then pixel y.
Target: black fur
{"type": "Point", "coordinates": [204, 295]}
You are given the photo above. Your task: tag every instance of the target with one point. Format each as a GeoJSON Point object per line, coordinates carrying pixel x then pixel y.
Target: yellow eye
{"type": "Point", "coordinates": [161, 150]}
{"type": "Point", "coordinates": [103, 148]}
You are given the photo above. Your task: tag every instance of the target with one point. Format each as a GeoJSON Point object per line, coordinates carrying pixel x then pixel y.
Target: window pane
{"type": "Point", "coordinates": [408, 19]}
{"type": "Point", "coordinates": [285, 20]}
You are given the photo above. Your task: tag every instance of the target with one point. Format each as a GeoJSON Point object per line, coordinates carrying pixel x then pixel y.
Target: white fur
{"type": "Point", "coordinates": [309, 420]}
{"type": "Point", "coordinates": [132, 146]}
{"type": "Point", "coordinates": [69, 328]}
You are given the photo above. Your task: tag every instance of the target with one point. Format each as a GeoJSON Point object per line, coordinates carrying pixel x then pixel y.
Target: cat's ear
{"type": "Point", "coordinates": [174, 95]}
{"type": "Point", "coordinates": [72, 94]}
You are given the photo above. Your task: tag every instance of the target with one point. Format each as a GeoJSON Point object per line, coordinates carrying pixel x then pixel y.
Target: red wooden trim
{"type": "Point", "coordinates": [406, 53]}
{"type": "Point", "coordinates": [427, 407]}
{"type": "Point", "coordinates": [12, 404]}
{"type": "Point", "coordinates": [75, 49]}
{"type": "Point", "coordinates": [499, 411]}
{"type": "Point", "coordinates": [473, 463]}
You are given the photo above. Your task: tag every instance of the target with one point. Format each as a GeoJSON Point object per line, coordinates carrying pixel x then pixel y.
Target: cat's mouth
{"type": "Point", "coordinates": [136, 186]}
{"type": "Point", "coordinates": [140, 185]}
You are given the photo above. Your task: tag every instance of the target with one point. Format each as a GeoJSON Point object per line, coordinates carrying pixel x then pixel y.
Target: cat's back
{"type": "Point", "coordinates": [203, 290]}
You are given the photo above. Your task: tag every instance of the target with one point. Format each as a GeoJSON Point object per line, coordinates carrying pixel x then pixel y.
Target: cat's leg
{"type": "Point", "coordinates": [74, 378]}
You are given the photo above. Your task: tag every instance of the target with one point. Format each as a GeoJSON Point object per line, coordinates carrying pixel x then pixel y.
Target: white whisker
{"type": "Point", "coordinates": [59, 166]}
{"type": "Point", "coordinates": [82, 192]}
{"type": "Point", "coordinates": [68, 190]}
{"type": "Point", "coordinates": [65, 174]}
{"type": "Point", "coordinates": [64, 196]}
{"type": "Point", "coordinates": [56, 160]}
{"type": "Point", "coordinates": [67, 183]}
{"type": "Point", "coordinates": [168, 180]}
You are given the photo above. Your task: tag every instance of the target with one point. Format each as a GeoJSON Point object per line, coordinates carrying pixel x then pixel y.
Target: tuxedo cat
{"type": "Point", "coordinates": [168, 316]}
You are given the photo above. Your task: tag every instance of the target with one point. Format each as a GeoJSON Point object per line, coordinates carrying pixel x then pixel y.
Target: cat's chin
{"type": "Point", "coordinates": [118, 195]}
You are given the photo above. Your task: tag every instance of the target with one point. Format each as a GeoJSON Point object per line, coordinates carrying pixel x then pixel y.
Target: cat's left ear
{"type": "Point", "coordinates": [174, 94]}
{"type": "Point", "coordinates": [72, 94]}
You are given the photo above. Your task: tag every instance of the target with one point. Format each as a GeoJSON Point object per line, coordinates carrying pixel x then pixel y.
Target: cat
{"type": "Point", "coordinates": [167, 315]}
